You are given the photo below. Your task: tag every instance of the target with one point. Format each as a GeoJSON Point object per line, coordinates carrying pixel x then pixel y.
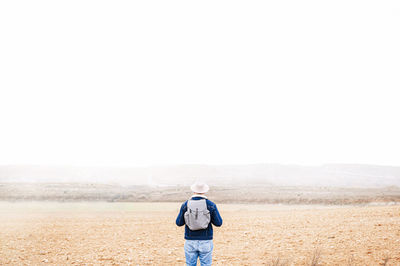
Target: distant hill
{"type": "Point", "coordinates": [334, 175]}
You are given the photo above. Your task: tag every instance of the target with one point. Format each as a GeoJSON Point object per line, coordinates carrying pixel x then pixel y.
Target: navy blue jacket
{"type": "Point", "coordinates": [204, 234]}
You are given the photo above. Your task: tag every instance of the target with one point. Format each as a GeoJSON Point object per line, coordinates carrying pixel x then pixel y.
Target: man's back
{"type": "Point", "coordinates": [204, 234]}
{"type": "Point", "coordinates": [199, 243]}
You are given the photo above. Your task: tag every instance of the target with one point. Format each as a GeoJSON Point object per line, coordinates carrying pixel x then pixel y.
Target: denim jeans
{"type": "Point", "coordinates": [201, 249]}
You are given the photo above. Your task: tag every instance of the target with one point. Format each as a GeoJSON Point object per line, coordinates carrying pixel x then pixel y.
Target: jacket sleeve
{"type": "Point", "coordinates": [180, 220]}
{"type": "Point", "coordinates": [216, 218]}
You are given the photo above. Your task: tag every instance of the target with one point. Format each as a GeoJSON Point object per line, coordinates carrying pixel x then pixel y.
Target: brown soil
{"type": "Point", "coordinates": [69, 192]}
{"type": "Point", "coordinates": [146, 234]}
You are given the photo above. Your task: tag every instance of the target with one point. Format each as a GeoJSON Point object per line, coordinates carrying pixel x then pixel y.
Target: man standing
{"type": "Point", "coordinates": [198, 214]}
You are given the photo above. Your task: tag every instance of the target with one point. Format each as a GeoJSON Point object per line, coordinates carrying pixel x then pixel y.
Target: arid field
{"type": "Point", "coordinates": [99, 233]}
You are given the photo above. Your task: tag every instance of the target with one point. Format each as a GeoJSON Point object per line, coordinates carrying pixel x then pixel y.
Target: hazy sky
{"type": "Point", "coordinates": [170, 82]}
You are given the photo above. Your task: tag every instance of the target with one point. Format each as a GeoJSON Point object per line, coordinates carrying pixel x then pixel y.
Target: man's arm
{"type": "Point", "coordinates": [216, 218]}
{"type": "Point", "coordinates": [180, 220]}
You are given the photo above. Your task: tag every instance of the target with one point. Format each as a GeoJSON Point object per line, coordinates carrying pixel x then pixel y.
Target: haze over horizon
{"type": "Point", "coordinates": [94, 83]}
{"type": "Point", "coordinates": [331, 175]}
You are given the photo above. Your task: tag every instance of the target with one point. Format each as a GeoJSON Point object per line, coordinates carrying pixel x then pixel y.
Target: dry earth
{"type": "Point", "coordinates": [146, 234]}
{"type": "Point", "coordinates": [249, 194]}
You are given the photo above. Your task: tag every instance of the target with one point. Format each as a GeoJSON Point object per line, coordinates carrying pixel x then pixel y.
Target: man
{"type": "Point", "coordinates": [198, 225]}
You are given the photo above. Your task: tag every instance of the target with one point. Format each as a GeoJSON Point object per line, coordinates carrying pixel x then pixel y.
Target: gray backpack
{"type": "Point", "coordinates": [197, 216]}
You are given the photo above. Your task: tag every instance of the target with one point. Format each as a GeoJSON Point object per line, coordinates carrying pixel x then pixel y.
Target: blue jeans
{"type": "Point", "coordinates": [201, 249]}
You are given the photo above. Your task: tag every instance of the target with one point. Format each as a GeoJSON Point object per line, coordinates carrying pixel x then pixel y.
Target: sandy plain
{"type": "Point", "coordinates": [96, 233]}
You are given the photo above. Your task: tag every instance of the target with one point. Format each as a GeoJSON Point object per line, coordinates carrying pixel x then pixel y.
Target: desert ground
{"type": "Point", "coordinates": [123, 233]}
{"type": "Point", "coordinates": [249, 194]}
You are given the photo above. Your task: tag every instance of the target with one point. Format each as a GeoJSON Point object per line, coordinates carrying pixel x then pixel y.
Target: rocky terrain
{"type": "Point", "coordinates": [99, 233]}
{"type": "Point", "coordinates": [233, 194]}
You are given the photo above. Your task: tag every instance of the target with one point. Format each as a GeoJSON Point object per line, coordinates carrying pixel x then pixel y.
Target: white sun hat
{"type": "Point", "coordinates": [199, 187]}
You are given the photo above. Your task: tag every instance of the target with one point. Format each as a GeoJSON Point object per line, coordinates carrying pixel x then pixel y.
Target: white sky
{"type": "Point", "coordinates": [170, 82]}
